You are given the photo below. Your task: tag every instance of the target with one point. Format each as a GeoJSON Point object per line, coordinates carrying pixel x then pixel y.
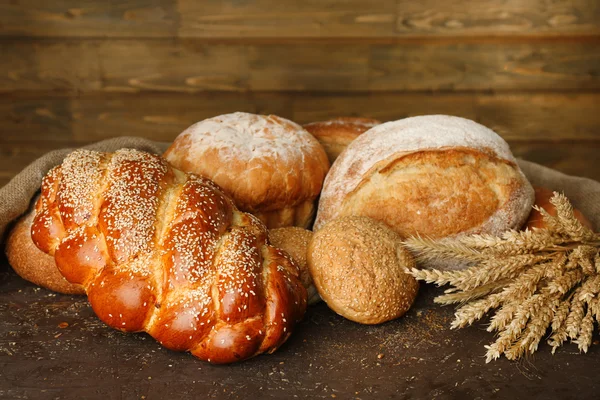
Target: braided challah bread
{"type": "Point", "coordinates": [165, 252]}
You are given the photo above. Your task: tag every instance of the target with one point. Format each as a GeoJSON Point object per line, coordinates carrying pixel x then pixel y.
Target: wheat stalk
{"type": "Point", "coordinates": [529, 281]}
{"type": "Point", "coordinates": [431, 249]}
{"type": "Point", "coordinates": [522, 287]}
{"type": "Point", "coordinates": [538, 324]}
{"type": "Point", "coordinates": [487, 271]}
{"type": "Point", "coordinates": [454, 296]}
{"type": "Point", "coordinates": [517, 325]}
{"type": "Point", "coordinates": [559, 331]}
{"type": "Point", "coordinates": [570, 225]}
{"type": "Point", "coordinates": [584, 340]}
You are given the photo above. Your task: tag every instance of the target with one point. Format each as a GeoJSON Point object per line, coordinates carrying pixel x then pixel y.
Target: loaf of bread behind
{"type": "Point", "coordinates": [337, 133]}
{"type": "Point", "coordinates": [435, 176]}
{"type": "Point", "coordinates": [294, 240]}
{"type": "Point", "coordinates": [542, 200]}
{"type": "Point", "coordinates": [165, 252]}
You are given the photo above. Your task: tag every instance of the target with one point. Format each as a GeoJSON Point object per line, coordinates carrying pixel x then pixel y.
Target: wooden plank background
{"type": "Point", "coordinates": [307, 19]}
{"type": "Point", "coordinates": [73, 72]}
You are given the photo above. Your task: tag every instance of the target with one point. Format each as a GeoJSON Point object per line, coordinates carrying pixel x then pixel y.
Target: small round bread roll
{"type": "Point", "coordinates": [434, 175]}
{"type": "Point", "coordinates": [336, 134]}
{"type": "Point", "coordinates": [542, 200]}
{"type": "Point", "coordinates": [271, 167]}
{"type": "Point", "coordinates": [294, 240]}
{"type": "Point", "coordinates": [358, 264]}
{"type": "Point", "coordinates": [32, 264]}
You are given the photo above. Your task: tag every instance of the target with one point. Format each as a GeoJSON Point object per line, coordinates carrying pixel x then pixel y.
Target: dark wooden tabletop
{"type": "Point", "coordinates": [53, 347]}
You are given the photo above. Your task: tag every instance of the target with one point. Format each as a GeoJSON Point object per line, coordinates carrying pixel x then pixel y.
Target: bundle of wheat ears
{"type": "Point", "coordinates": [532, 279]}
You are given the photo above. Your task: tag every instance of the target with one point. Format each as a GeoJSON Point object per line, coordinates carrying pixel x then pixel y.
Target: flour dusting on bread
{"type": "Point", "coordinates": [408, 135]}
{"type": "Point", "coordinates": [270, 166]}
{"type": "Point", "coordinates": [243, 136]}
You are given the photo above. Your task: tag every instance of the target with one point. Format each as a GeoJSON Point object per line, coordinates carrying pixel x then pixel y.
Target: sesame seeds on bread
{"type": "Point", "coordinates": [168, 253]}
{"type": "Point", "coordinates": [357, 264]}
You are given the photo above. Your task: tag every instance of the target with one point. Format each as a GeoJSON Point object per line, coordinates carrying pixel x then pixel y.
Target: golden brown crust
{"type": "Point", "coordinates": [357, 264]}
{"type": "Point", "coordinates": [436, 176]}
{"type": "Point", "coordinates": [161, 251]}
{"type": "Point", "coordinates": [270, 166]}
{"type": "Point", "coordinates": [337, 133]}
{"type": "Point", "coordinates": [294, 240]}
{"type": "Point", "coordinates": [418, 193]}
{"type": "Point", "coordinates": [542, 200]}
{"type": "Point", "coordinates": [32, 264]}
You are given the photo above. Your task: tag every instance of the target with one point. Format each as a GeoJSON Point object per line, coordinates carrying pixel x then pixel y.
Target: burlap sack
{"type": "Point", "coordinates": [16, 196]}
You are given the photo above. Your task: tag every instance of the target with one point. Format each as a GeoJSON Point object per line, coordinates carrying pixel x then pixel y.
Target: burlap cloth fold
{"type": "Point", "coordinates": [16, 196]}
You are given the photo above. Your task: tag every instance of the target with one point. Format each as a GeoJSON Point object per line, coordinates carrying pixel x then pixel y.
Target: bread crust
{"type": "Point", "coordinates": [32, 264]}
{"type": "Point", "coordinates": [270, 166]}
{"type": "Point", "coordinates": [358, 264]}
{"type": "Point", "coordinates": [337, 133]}
{"type": "Point", "coordinates": [542, 200]}
{"type": "Point", "coordinates": [294, 240]}
{"type": "Point", "coordinates": [165, 252]}
{"type": "Point", "coordinates": [437, 176]}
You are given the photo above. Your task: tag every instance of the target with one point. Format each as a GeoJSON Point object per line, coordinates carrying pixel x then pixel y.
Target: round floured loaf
{"type": "Point", "coordinates": [337, 133]}
{"type": "Point", "coordinates": [270, 166]}
{"type": "Point", "coordinates": [436, 176]}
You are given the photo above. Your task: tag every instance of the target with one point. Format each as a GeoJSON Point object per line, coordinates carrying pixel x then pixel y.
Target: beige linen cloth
{"type": "Point", "coordinates": [16, 196]}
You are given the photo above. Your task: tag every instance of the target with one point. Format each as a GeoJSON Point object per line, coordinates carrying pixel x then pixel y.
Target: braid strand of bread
{"type": "Point", "coordinates": [165, 252]}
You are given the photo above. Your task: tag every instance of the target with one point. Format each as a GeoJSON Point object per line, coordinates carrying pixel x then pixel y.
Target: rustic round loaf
{"type": "Point", "coordinates": [358, 264]}
{"type": "Point", "coordinates": [436, 176]}
{"type": "Point", "coordinates": [336, 134]}
{"type": "Point", "coordinates": [270, 166]}
{"type": "Point", "coordinates": [294, 240]}
{"type": "Point", "coordinates": [32, 264]}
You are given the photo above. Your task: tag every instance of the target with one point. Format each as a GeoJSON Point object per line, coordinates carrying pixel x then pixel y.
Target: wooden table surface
{"type": "Point", "coordinates": [53, 347]}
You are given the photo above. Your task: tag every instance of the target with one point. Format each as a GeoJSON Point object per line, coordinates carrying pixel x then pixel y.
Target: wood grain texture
{"type": "Point", "coordinates": [35, 118]}
{"type": "Point", "coordinates": [308, 19]}
{"type": "Point", "coordinates": [88, 18]}
{"type": "Point", "coordinates": [193, 66]}
{"type": "Point", "coordinates": [387, 18]}
{"type": "Point", "coordinates": [327, 357]}
{"type": "Point", "coordinates": [161, 116]}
